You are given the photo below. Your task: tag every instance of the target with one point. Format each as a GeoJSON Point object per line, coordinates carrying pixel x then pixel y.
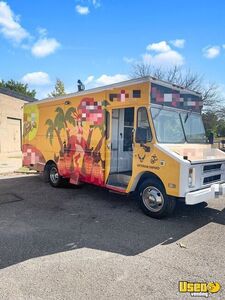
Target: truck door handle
{"type": "Point", "coordinates": [146, 148]}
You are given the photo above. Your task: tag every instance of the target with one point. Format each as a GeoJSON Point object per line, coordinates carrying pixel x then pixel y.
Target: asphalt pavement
{"type": "Point", "coordinates": [88, 243]}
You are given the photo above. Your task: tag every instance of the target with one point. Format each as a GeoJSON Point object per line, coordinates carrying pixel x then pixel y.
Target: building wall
{"type": "Point", "coordinates": [11, 121]}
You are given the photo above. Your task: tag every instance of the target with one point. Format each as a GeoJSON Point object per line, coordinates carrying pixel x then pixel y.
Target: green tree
{"type": "Point", "coordinates": [210, 120]}
{"type": "Point", "coordinates": [59, 89]}
{"type": "Point", "coordinates": [18, 87]}
{"type": "Point", "coordinates": [221, 128]}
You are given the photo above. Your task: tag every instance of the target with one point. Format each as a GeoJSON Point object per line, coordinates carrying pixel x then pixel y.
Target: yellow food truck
{"type": "Point", "coordinates": [142, 135]}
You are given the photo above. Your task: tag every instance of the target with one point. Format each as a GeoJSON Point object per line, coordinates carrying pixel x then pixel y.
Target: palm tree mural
{"type": "Point", "coordinates": [60, 122]}
{"type": "Point", "coordinates": [68, 118]}
{"type": "Point", "coordinates": [62, 119]}
{"type": "Point", "coordinates": [50, 130]}
{"type": "Point", "coordinates": [56, 127]}
{"type": "Point", "coordinates": [77, 154]}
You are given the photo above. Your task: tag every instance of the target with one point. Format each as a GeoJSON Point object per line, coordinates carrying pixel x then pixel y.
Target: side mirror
{"type": "Point", "coordinates": [211, 138]}
{"type": "Point", "coordinates": [141, 135]}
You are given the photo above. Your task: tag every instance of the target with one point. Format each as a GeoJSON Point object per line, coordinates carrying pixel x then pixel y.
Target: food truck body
{"type": "Point", "coordinates": [143, 135]}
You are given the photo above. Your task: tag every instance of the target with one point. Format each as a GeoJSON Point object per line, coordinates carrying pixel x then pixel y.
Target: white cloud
{"type": "Point", "coordinates": [10, 27]}
{"type": "Point", "coordinates": [105, 80]}
{"type": "Point", "coordinates": [82, 10]}
{"type": "Point", "coordinates": [89, 80]}
{"type": "Point", "coordinates": [179, 43]}
{"type": "Point", "coordinates": [158, 47]}
{"type": "Point", "coordinates": [108, 79]}
{"type": "Point", "coordinates": [164, 56]}
{"type": "Point", "coordinates": [36, 78]}
{"type": "Point", "coordinates": [211, 52]}
{"type": "Point", "coordinates": [165, 59]}
{"type": "Point", "coordinates": [44, 47]}
{"type": "Point", "coordinates": [168, 58]}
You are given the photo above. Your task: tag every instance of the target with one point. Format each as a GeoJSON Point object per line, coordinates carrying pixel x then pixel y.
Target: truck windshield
{"type": "Point", "coordinates": [177, 127]}
{"type": "Point", "coordinates": [168, 126]}
{"type": "Point", "coordinates": [193, 127]}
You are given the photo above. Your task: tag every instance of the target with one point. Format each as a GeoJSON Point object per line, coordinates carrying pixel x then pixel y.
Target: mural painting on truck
{"type": "Point", "coordinates": [73, 134]}
{"type": "Point", "coordinates": [73, 129]}
{"type": "Point", "coordinates": [31, 121]}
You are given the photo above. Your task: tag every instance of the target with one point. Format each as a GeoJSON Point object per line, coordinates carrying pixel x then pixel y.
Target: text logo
{"type": "Point", "coordinates": [199, 289]}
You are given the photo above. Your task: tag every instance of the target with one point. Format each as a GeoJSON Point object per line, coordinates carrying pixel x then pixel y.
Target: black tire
{"type": "Point", "coordinates": [159, 205]}
{"type": "Point", "coordinates": [53, 176]}
{"type": "Point", "coordinates": [201, 205]}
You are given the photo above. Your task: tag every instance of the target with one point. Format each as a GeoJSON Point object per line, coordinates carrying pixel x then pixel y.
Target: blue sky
{"type": "Point", "coordinates": [98, 40]}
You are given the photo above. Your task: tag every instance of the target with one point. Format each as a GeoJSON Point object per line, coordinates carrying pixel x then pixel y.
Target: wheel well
{"type": "Point", "coordinates": [50, 162]}
{"type": "Point", "coordinates": [148, 175]}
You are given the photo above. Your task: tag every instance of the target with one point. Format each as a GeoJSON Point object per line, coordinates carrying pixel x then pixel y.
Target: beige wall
{"type": "Point", "coordinates": [11, 122]}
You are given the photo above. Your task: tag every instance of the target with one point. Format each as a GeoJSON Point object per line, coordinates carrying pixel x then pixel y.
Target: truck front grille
{"type": "Point", "coordinates": [213, 172]}
{"type": "Point", "coordinates": [213, 178]}
{"type": "Point", "coordinates": [214, 167]}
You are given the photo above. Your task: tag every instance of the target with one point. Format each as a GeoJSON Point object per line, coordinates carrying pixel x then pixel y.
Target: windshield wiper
{"type": "Point", "coordinates": [160, 109]}
{"type": "Point", "coordinates": [187, 116]}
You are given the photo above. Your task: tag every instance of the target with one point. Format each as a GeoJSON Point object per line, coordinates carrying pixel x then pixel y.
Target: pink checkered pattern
{"type": "Point", "coordinates": [91, 111]}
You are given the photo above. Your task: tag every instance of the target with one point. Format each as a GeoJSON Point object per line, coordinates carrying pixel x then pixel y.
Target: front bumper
{"type": "Point", "coordinates": [214, 191]}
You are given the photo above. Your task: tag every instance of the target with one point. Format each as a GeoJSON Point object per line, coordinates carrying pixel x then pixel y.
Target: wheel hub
{"type": "Point", "coordinates": [153, 199]}
{"type": "Point", "coordinates": [54, 175]}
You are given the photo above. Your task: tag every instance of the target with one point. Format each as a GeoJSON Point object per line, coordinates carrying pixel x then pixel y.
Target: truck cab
{"type": "Point", "coordinates": [169, 157]}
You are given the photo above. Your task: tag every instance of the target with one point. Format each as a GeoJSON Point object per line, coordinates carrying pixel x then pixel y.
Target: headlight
{"type": "Point", "coordinates": [191, 177]}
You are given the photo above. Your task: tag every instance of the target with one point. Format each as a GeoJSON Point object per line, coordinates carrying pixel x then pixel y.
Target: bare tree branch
{"type": "Point", "coordinates": [211, 96]}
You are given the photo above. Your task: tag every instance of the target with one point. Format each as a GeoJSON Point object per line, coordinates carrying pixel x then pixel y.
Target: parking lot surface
{"type": "Point", "coordinates": [87, 243]}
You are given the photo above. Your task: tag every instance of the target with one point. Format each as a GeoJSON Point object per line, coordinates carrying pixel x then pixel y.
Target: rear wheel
{"type": "Point", "coordinates": [54, 178]}
{"type": "Point", "coordinates": [153, 199]}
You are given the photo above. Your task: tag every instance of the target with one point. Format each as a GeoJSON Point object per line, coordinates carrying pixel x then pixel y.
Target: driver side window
{"type": "Point", "coordinates": [143, 131]}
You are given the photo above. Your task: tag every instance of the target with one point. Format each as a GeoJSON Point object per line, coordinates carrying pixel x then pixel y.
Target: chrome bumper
{"type": "Point", "coordinates": [214, 191]}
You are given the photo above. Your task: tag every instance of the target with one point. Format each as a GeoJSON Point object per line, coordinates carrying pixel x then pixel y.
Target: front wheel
{"type": "Point", "coordinates": [153, 199]}
{"type": "Point", "coordinates": [54, 178]}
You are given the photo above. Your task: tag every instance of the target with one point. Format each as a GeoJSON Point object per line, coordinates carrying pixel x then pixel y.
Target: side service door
{"type": "Point", "coordinates": [142, 138]}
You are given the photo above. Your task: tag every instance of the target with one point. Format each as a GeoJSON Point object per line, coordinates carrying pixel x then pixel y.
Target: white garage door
{"type": "Point", "coordinates": [14, 135]}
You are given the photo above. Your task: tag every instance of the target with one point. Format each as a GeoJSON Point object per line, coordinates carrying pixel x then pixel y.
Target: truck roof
{"type": "Point", "coordinates": [123, 84]}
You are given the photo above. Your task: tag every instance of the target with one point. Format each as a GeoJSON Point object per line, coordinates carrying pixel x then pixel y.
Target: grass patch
{"type": "Point", "coordinates": [25, 170]}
